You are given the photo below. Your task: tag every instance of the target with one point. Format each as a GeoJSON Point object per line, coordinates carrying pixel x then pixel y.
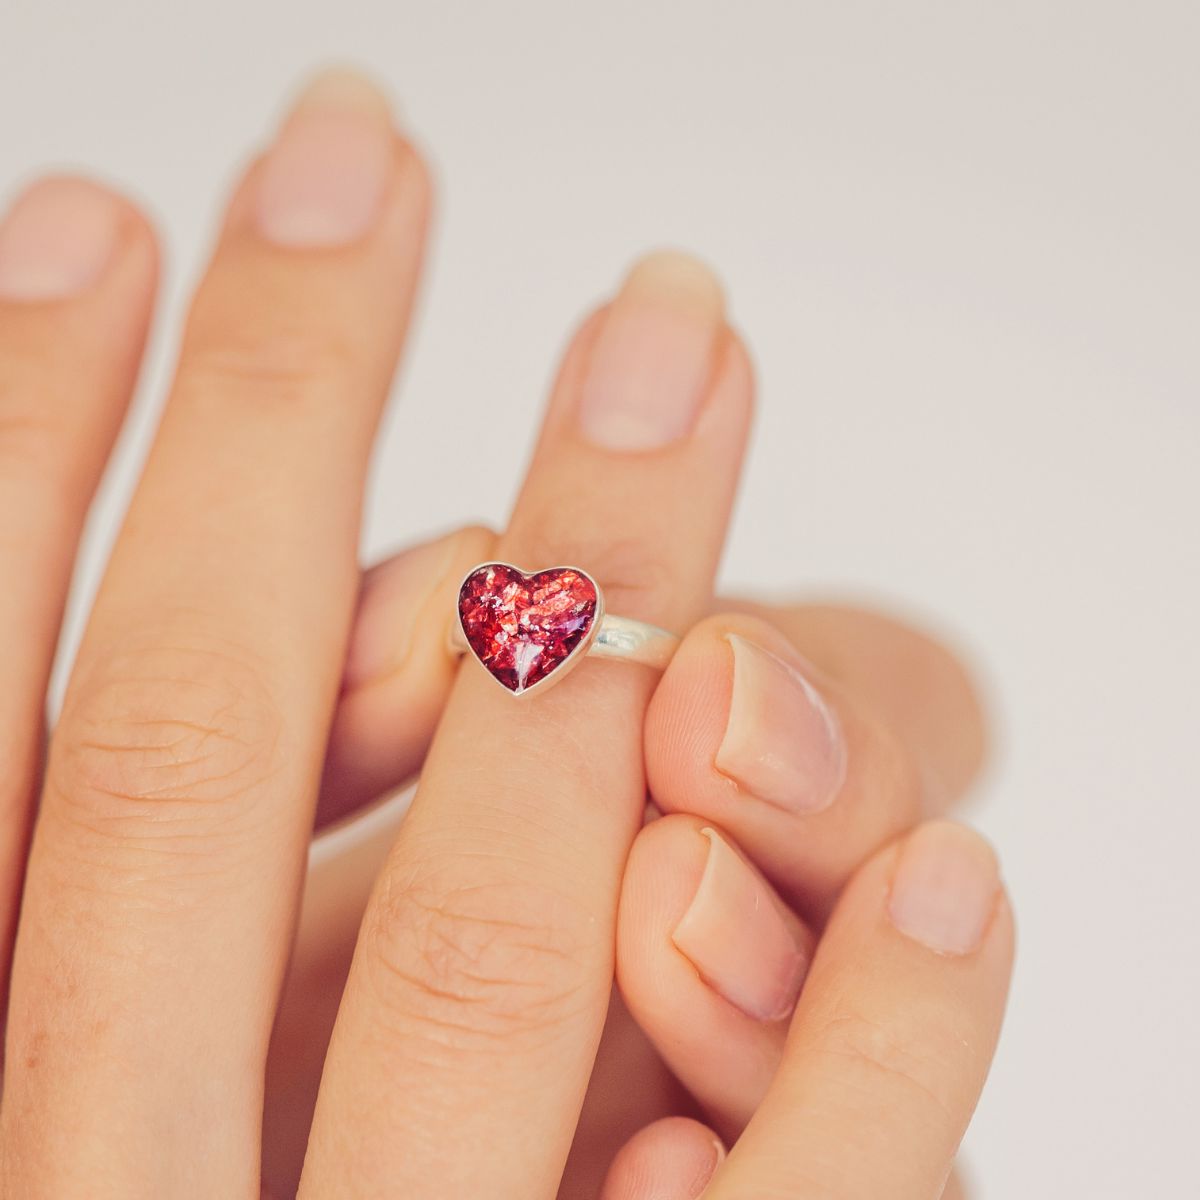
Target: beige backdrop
{"type": "Point", "coordinates": [963, 241]}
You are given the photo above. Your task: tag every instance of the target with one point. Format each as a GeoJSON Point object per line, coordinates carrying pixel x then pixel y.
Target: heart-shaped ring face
{"type": "Point", "coordinates": [526, 628]}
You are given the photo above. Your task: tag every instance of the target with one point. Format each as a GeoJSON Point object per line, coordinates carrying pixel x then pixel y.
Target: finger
{"type": "Point", "coordinates": [673, 1159]}
{"type": "Point", "coordinates": [182, 777]}
{"type": "Point", "coordinates": [710, 962]}
{"type": "Point", "coordinates": [485, 963]}
{"type": "Point", "coordinates": [398, 673]}
{"type": "Point", "coordinates": [747, 735]}
{"type": "Point", "coordinates": [894, 1032]}
{"type": "Point", "coordinates": [77, 280]}
{"type": "Point", "coordinates": [914, 683]}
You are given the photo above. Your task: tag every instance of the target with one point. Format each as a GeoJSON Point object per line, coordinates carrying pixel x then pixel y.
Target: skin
{"type": "Point", "coordinates": [239, 679]}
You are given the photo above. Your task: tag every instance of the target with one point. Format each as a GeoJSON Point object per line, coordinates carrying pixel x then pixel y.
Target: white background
{"type": "Point", "coordinates": [962, 240]}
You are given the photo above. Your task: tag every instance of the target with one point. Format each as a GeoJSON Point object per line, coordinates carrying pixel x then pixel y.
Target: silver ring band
{"type": "Point", "coordinates": [616, 637]}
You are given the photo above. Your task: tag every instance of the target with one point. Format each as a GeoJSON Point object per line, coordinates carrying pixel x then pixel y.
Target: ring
{"type": "Point", "coordinates": [529, 629]}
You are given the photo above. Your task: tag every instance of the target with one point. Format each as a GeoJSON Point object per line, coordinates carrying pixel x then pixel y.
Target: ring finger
{"type": "Point", "coordinates": [77, 274]}
{"type": "Point", "coordinates": [484, 968]}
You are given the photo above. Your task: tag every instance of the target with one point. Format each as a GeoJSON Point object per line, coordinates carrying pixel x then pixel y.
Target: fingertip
{"type": "Point", "coordinates": [945, 888]}
{"type": "Point", "coordinates": [695, 912]}
{"type": "Point", "coordinates": [912, 676]}
{"type": "Point", "coordinates": [739, 717]}
{"type": "Point", "coordinates": [710, 961]}
{"type": "Point", "coordinates": [672, 1159]}
{"type": "Point", "coordinates": [680, 277]}
{"type": "Point", "coordinates": [662, 872]}
{"type": "Point", "coordinates": [739, 938]}
{"type": "Point", "coordinates": [935, 895]}
{"type": "Point", "coordinates": [67, 236]}
{"type": "Point", "coordinates": [337, 170]}
{"type": "Point", "coordinates": [342, 87]}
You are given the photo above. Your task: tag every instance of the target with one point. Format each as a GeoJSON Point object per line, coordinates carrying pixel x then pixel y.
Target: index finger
{"type": "Point", "coordinates": [483, 972]}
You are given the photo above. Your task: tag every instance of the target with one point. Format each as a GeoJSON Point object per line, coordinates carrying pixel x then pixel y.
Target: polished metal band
{"type": "Point", "coordinates": [634, 641]}
{"type": "Point", "coordinates": [615, 637]}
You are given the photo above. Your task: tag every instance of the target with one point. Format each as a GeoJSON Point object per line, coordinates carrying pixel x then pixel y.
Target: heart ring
{"type": "Point", "coordinates": [529, 629]}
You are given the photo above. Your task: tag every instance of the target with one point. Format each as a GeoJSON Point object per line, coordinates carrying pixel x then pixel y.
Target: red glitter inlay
{"type": "Point", "coordinates": [523, 627]}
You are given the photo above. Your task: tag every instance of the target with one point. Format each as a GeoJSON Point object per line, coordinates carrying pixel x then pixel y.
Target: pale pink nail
{"type": "Point", "coordinates": [735, 936]}
{"type": "Point", "coordinates": [324, 180]}
{"type": "Point", "coordinates": [57, 240]}
{"type": "Point", "coordinates": [945, 888]}
{"type": "Point", "coordinates": [783, 742]}
{"type": "Point", "coordinates": [652, 360]}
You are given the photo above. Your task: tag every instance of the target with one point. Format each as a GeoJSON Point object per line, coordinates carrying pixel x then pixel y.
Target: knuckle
{"type": "Point", "coordinates": [478, 961]}
{"type": "Point", "coordinates": [291, 368]}
{"type": "Point", "coordinates": [167, 741]}
{"type": "Point", "coordinates": [637, 579]}
{"type": "Point", "coordinates": [883, 1061]}
{"type": "Point", "coordinates": [31, 430]}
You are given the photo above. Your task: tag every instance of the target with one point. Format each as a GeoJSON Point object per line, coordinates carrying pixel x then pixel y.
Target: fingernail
{"type": "Point", "coordinates": [735, 936]}
{"type": "Point", "coordinates": [394, 596]}
{"type": "Point", "coordinates": [720, 1154]}
{"type": "Point", "coordinates": [57, 240]}
{"type": "Point", "coordinates": [783, 743]}
{"type": "Point", "coordinates": [652, 359]}
{"type": "Point", "coordinates": [323, 181]}
{"type": "Point", "coordinates": [945, 888]}
{"type": "Point", "coordinates": [707, 1169]}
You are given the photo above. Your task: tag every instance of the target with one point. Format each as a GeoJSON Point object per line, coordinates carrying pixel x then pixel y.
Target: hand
{"type": "Point", "coordinates": [181, 782]}
{"type": "Point", "coordinates": [869, 1091]}
{"type": "Point", "coordinates": [915, 730]}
